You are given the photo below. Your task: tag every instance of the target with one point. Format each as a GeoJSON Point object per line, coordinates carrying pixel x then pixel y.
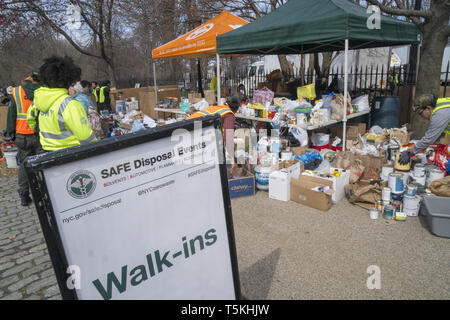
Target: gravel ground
{"type": "Point", "coordinates": [290, 251]}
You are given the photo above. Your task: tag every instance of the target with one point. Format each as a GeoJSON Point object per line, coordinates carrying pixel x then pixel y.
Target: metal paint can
{"type": "Point", "coordinates": [389, 213]}
{"type": "Point", "coordinates": [419, 170]}
{"type": "Point", "coordinates": [386, 194]}
{"type": "Point", "coordinates": [392, 150]}
{"type": "Point", "coordinates": [386, 203]}
{"type": "Point", "coordinates": [420, 180]}
{"type": "Point", "coordinates": [397, 196]}
{"type": "Point", "coordinates": [411, 206]}
{"type": "Point", "coordinates": [398, 205]}
{"type": "Point", "coordinates": [385, 171]}
{"type": "Point", "coordinates": [395, 182]}
{"type": "Point", "coordinates": [434, 174]}
{"type": "Point", "coordinates": [373, 214]}
{"type": "Point", "coordinates": [411, 190]}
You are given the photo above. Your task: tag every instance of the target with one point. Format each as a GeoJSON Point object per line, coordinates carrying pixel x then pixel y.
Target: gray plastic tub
{"type": "Point", "coordinates": [437, 213]}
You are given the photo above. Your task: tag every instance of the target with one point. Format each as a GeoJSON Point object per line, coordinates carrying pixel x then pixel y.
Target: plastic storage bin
{"type": "Point", "coordinates": [435, 209]}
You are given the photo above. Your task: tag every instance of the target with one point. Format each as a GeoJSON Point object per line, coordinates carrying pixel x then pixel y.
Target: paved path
{"type": "Point", "coordinates": [285, 251]}
{"type": "Point", "coordinates": [25, 268]}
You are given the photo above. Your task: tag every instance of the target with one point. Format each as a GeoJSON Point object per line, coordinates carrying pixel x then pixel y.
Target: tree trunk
{"type": "Point", "coordinates": [431, 53]}
{"type": "Point", "coordinates": [287, 68]}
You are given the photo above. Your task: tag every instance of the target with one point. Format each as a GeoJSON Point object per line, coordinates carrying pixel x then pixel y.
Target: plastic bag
{"type": "Point", "coordinates": [308, 157]}
{"type": "Point", "coordinates": [324, 167]}
{"type": "Point", "coordinates": [307, 91]}
{"type": "Point", "coordinates": [137, 126]}
{"type": "Point", "coordinates": [362, 102]}
{"type": "Point", "coordinates": [300, 134]}
{"type": "Point", "coordinates": [320, 139]}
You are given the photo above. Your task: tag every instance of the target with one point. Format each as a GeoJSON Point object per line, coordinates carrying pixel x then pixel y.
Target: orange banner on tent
{"type": "Point", "coordinates": [200, 42]}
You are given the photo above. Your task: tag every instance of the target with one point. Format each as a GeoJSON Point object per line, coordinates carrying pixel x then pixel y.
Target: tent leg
{"type": "Point", "coordinates": [218, 78]}
{"type": "Point", "coordinates": [345, 94]}
{"type": "Point", "coordinates": [154, 85]}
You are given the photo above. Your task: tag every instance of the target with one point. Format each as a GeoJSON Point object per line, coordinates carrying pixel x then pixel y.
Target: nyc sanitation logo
{"type": "Point", "coordinates": [81, 184]}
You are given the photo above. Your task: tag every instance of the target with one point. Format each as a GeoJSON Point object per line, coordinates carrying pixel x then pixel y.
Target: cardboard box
{"type": "Point", "coordinates": [353, 129]}
{"type": "Point", "coordinates": [243, 186]}
{"type": "Point", "coordinates": [298, 151]}
{"type": "Point", "coordinates": [3, 116]}
{"type": "Point", "coordinates": [301, 192]}
{"type": "Point", "coordinates": [210, 97]}
{"type": "Point", "coordinates": [293, 167]}
{"type": "Point", "coordinates": [280, 185]}
{"type": "Point", "coordinates": [339, 183]}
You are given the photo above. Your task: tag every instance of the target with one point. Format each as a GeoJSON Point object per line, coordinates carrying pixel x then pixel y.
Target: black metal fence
{"type": "Point", "coordinates": [371, 80]}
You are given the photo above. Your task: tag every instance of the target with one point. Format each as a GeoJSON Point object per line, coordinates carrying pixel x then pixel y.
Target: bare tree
{"type": "Point", "coordinates": [97, 19]}
{"type": "Point", "coordinates": [433, 22]}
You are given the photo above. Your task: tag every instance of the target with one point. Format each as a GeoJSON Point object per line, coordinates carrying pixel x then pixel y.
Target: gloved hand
{"type": "Point", "coordinates": [405, 157]}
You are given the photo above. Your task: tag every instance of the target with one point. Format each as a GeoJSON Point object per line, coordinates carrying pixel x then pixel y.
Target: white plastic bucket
{"type": "Point", "coordinates": [262, 177]}
{"type": "Point", "coordinates": [385, 171]}
{"type": "Point", "coordinates": [434, 174]}
{"type": "Point", "coordinates": [11, 159]}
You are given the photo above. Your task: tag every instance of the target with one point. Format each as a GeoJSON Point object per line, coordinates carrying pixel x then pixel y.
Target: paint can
{"type": "Point", "coordinates": [386, 194]}
{"type": "Point", "coordinates": [385, 171]}
{"type": "Point", "coordinates": [420, 180]}
{"type": "Point", "coordinates": [434, 174]}
{"type": "Point", "coordinates": [392, 150]}
{"type": "Point", "coordinates": [405, 178]}
{"type": "Point", "coordinates": [389, 212]}
{"type": "Point", "coordinates": [373, 214]}
{"type": "Point", "coordinates": [397, 196]}
{"type": "Point", "coordinates": [395, 182]}
{"type": "Point", "coordinates": [411, 206]}
{"type": "Point", "coordinates": [411, 190]}
{"type": "Point", "coordinates": [398, 205]}
{"type": "Point", "coordinates": [419, 170]}
{"type": "Point", "coordinates": [386, 203]}
{"type": "Point", "coordinates": [400, 216]}
{"type": "Point", "coordinates": [401, 167]}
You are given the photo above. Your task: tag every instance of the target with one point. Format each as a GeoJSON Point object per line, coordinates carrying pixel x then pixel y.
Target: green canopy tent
{"type": "Point", "coordinates": [305, 26]}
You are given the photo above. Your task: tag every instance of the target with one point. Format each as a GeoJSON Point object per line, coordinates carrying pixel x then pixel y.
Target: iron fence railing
{"type": "Point", "coordinates": [372, 80]}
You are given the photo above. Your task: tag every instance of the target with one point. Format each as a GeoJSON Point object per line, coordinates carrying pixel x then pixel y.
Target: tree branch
{"type": "Point", "coordinates": [402, 12]}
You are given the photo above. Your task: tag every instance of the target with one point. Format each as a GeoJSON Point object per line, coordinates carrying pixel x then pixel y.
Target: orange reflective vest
{"type": "Point", "coordinates": [22, 105]}
{"type": "Point", "coordinates": [221, 110]}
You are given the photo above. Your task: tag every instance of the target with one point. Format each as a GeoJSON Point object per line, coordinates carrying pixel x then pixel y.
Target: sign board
{"type": "Point", "coordinates": [142, 216]}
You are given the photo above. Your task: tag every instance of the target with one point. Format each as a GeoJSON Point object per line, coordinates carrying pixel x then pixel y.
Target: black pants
{"type": "Point", "coordinates": [28, 145]}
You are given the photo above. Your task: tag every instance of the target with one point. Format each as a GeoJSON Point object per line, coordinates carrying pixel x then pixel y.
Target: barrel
{"type": "Point", "coordinates": [385, 112]}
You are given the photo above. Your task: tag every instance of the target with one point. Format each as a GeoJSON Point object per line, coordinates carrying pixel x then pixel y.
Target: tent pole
{"type": "Point", "coordinates": [218, 78]}
{"type": "Point", "coordinates": [345, 94]}
{"type": "Point", "coordinates": [154, 85]}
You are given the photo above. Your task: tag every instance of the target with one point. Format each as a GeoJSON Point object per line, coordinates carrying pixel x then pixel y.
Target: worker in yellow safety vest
{"type": "Point", "coordinates": [226, 113]}
{"type": "Point", "coordinates": [63, 123]}
{"type": "Point", "coordinates": [95, 91]}
{"type": "Point", "coordinates": [438, 112]}
{"type": "Point", "coordinates": [18, 130]}
{"type": "Point", "coordinates": [104, 100]}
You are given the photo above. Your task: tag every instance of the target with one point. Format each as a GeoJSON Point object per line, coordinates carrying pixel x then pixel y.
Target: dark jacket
{"type": "Point", "coordinates": [12, 109]}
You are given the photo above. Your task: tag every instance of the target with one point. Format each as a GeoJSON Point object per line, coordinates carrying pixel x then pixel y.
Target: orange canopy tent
{"type": "Point", "coordinates": [200, 42]}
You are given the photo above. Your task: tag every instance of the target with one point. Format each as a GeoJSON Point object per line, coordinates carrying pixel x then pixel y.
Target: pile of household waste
{"type": "Point", "coordinates": [368, 172]}
{"type": "Point", "coordinates": [306, 110]}
{"type": "Point", "coordinates": [118, 123]}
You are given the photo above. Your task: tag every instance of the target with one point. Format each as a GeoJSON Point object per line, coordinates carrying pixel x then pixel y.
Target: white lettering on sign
{"type": "Point", "coordinates": [200, 31]}
{"type": "Point", "coordinates": [153, 228]}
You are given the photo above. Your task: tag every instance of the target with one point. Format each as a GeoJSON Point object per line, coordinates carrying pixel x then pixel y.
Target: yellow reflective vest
{"type": "Point", "coordinates": [101, 99]}
{"type": "Point", "coordinates": [441, 104]}
{"type": "Point", "coordinates": [63, 123]}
